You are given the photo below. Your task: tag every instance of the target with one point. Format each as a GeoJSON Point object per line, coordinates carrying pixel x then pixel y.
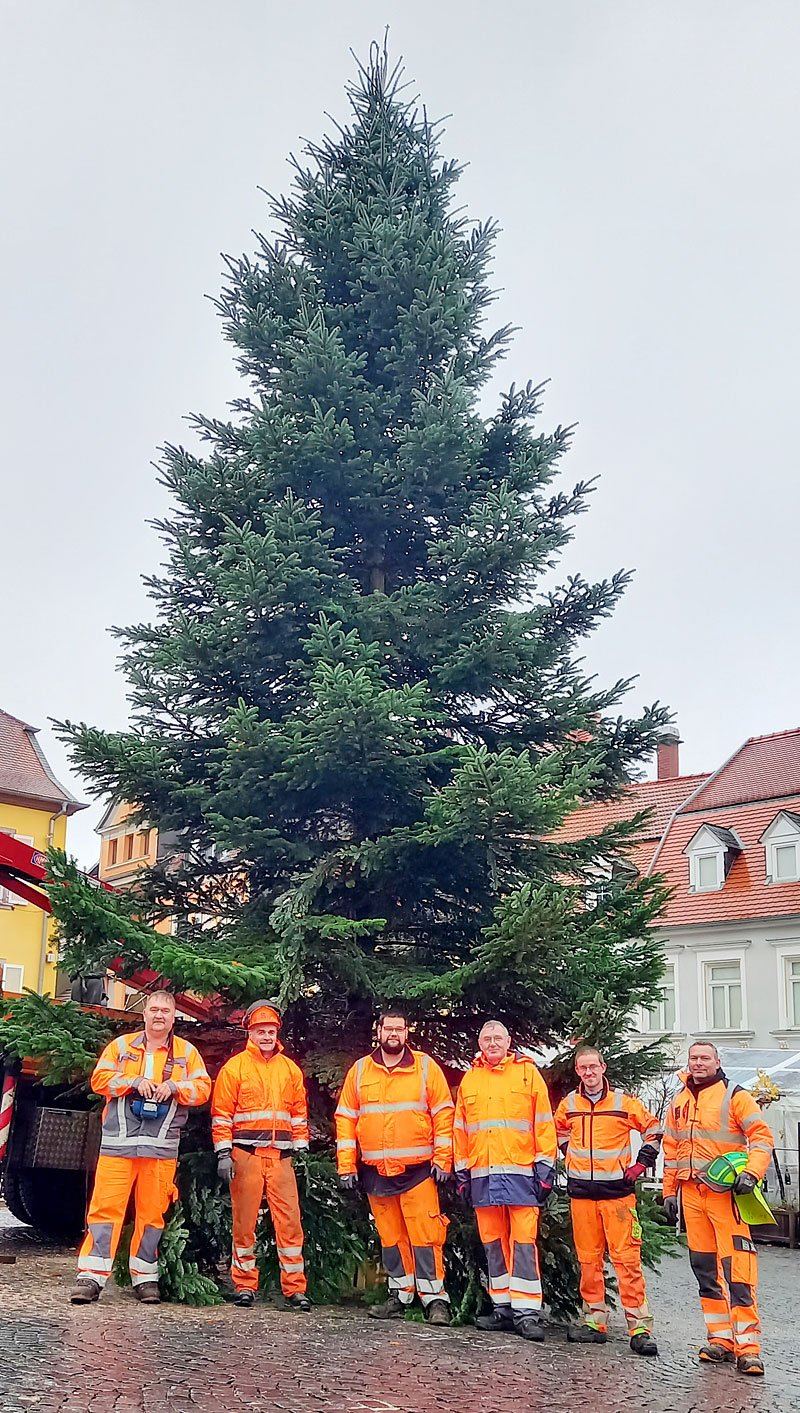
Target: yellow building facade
{"type": "Point", "coordinates": [34, 807]}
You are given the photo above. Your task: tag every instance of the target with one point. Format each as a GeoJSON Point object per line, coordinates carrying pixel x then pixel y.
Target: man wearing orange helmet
{"type": "Point", "coordinates": [259, 1117]}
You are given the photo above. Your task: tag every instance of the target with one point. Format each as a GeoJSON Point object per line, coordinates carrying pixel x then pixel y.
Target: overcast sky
{"type": "Point", "coordinates": [642, 162]}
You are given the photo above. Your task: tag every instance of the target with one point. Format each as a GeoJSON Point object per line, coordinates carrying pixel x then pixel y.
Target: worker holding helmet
{"type": "Point", "coordinates": [717, 1148]}
{"type": "Point", "coordinates": [259, 1118]}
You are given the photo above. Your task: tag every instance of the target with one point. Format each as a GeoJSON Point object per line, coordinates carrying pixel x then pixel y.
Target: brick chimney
{"type": "Point", "coordinates": [667, 754]}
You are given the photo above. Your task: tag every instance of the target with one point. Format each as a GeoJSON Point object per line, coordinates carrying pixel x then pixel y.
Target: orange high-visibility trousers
{"type": "Point", "coordinates": [152, 1180]}
{"type": "Point", "coordinates": [255, 1170]}
{"type": "Point", "coordinates": [412, 1232]}
{"type": "Point", "coordinates": [509, 1240]}
{"type": "Point", "coordinates": [612, 1225]}
{"type": "Point", "coordinates": [723, 1258]}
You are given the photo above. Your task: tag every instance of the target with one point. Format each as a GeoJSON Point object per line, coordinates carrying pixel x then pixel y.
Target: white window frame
{"type": "Point", "coordinates": [6, 967]}
{"type": "Point", "coordinates": [786, 950]}
{"type": "Point", "coordinates": [792, 1020]}
{"type": "Point", "coordinates": [663, 1029]}
{"type": "Point", "coordinates": [721, 959]}
{"type": "Point", "coordinates": [704, 845]}
{"type": "Point", "coordinates": [781, 833]}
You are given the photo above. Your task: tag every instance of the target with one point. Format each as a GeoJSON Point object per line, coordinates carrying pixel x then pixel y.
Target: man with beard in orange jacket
{"type": "Point", "coordinates": [394, 1136]}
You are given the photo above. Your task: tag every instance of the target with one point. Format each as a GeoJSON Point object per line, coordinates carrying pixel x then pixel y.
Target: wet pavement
{"type": "Point", "coordinates": [120, 1357]}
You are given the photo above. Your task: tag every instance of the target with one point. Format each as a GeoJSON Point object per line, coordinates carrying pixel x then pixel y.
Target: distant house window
{"type": "Point", "coordinates": [708, 871]}
{"type": "Point", "coordinates": [11, 977]}
{"type": "Point", "coordinates": [662, 1016]}
{"type": "Point", "coordinates": [793, 990]}
{"type": "Point", "coordinates": [784, 862]}
{"type": "Point", "coordinates": [712, 852]}
{"type": "Point", "coordinates": [127, 852]}
{"type": "Point", "coordinates": [145, 837]}
{"type": "Point", "coordinates": [724, 995]}
{"type": "Point", "coordinates": [112, 852]}
{"type": "Point", "coordinates": [782, 843]}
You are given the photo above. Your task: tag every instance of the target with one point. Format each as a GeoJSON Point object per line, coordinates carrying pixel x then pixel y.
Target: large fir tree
{"type": "Point", "coordinates": [360, 714]}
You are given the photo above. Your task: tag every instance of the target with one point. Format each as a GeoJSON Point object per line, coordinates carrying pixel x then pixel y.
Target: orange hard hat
{"type": "Point", "coordinates": [261, 1013]}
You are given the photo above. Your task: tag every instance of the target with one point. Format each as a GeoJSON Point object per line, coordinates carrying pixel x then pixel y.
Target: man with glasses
{"type": "Point", "coordinates": [394, 1136]}
{"type": "Point", "coordinates": [594, 1124]}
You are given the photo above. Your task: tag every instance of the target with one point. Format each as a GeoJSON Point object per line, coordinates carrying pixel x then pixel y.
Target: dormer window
{"type": "Point", "coordinates": [711, 853]}
{"type": "Point", "coordinates": [782, 843]}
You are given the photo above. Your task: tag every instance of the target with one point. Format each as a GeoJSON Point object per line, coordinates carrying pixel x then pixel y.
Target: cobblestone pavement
{"type": "Point", "coordinates": [120, 1357]}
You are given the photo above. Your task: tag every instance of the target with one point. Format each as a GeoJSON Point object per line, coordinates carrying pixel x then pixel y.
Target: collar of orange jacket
{"type": "Point", "coordinates": [601, 1096]}
{"type": "Point", "coordinates": [695, 1087]}
{"type": "Point", "coordinates": [253, 1049]}
{"type": "Point", "coordinates": [512, 1058]}
{"type": "Point", "coordinates": [138, 1042]}
{"type": "Point", "coordinates": [406, 1061]}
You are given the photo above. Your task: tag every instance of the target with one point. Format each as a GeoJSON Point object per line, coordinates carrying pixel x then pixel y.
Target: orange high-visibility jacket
{"type": "Point", "coordinates": [703, 1123]}
{"type": "Point", "coordinates": [120, 1065]}
{"type": "Point", "coordinates": [392, 1119]}
{"type": "Point", "coordinates": [504, 1135]}
{"type": "Point", "coordinates": [598, 1139]}
{"type": "Point", "coordinates": [259, 1103]}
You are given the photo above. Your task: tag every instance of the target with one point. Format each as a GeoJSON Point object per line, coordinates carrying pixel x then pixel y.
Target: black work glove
{"type": "Point", "coordinates": [225, 1168]}
{"type": "Point", "coordinates": [671, 1210]}
{"type": "Point", "coordinates": [348, 1182]}
{"type": "Point", "coordinates": [745, 1183]}
{"type": "Point", "coordinates": [439, 1175]}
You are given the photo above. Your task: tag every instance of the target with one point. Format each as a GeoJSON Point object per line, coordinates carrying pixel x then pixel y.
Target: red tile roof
{"type": "Point", "coordinates": [24, 772]}
{"type": "Point", "coordinates": [661, 796]}
{"type": "Point", "coordinates": [764, 768]}
{"type": "Point", "coordinates": [745, 794]}
{"type": "Point", "coordinates": [746, 893]}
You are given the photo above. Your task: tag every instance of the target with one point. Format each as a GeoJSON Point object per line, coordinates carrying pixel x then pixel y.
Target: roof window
{"type": "Point", "coordinates": [781, 841]}
{"type": "Point", "coordinates": [711, 853]}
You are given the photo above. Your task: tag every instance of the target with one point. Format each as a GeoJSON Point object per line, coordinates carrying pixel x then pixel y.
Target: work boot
{"type": "Point", "coordinates": [499, 1319]}
{"type": "Point", "coordinates": [391, 1309]}
{"type": "Point", "coordinates": [586, 1334]}
{"type": "Point", "coordinates": [642, 1342]}
{"type": "Point", "coordinates": [148, 1293]}
{"type": "Point", "coordinates": [750, 1364]}
{"type": "Point", "coordinates": [530, 1327]}
{"type": "Point", "coordinates": [298, 1302]}
{"type": "Point", "coordinates": [84, 1292]}
{"type": "Point", "coordinates": [438, 1313]}
{"type": "Point", "coordinates": [245, 1298]}
{"type": "Point", "coordinates": [715, 1353]}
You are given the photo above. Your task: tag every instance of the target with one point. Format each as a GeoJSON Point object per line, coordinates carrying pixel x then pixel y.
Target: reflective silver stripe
{"type": "Point", "coordinates": [461, 1165]}
{"type": "Point", "coordinates": [299, 1144]}
{"type": "Point", "coordinates": [527, 1287]}
{"type": "Point", "coordinates": [748, 1120]}
{"type": "Point", "coordinates": [289, 1267]}
{"type": "Point", "coordinates": [572, 1107]}
{"type": "Point", "coordinates": [99, 1263]}
{"type": "Point", "coordinates": [544, 1117]}
{"type": "Point", "coordinates": [460, 1125]}
{"type": "Point", "coordinates": [394, 1108]}
{"type": "Point", "coordinates": [297, 1123]}
{"type": "Point", "coordinates": [290, 1250]}
{"type": "Point", "coordinates": [143, 1268]}
{"type": "Point", "coordinates": [760, 1146]}
{"type": "Point", "coordinates": [377, 1154]}
{"type": "Point", "coordinates": [526, 1168]}
{"type": "Point", "coordinates": [427, 1287]}
{"type": "Point", "coordinates": [262, 1114]}
{"type": "Point", "coordinates": [577, 1151]}
{"type": "Point", "coordinates": [519, 1125]}
{"type": "Point", "coordinates": [345, 1143]}
{"type": "Point", "coordinates": [343, 1113]}
{"type": "Point", "coordinates": [448, 1104]}
{"type": "Point", "coordinates": [607, 1175]}
{"type": "Point", "coordinates": [244, 1250]}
